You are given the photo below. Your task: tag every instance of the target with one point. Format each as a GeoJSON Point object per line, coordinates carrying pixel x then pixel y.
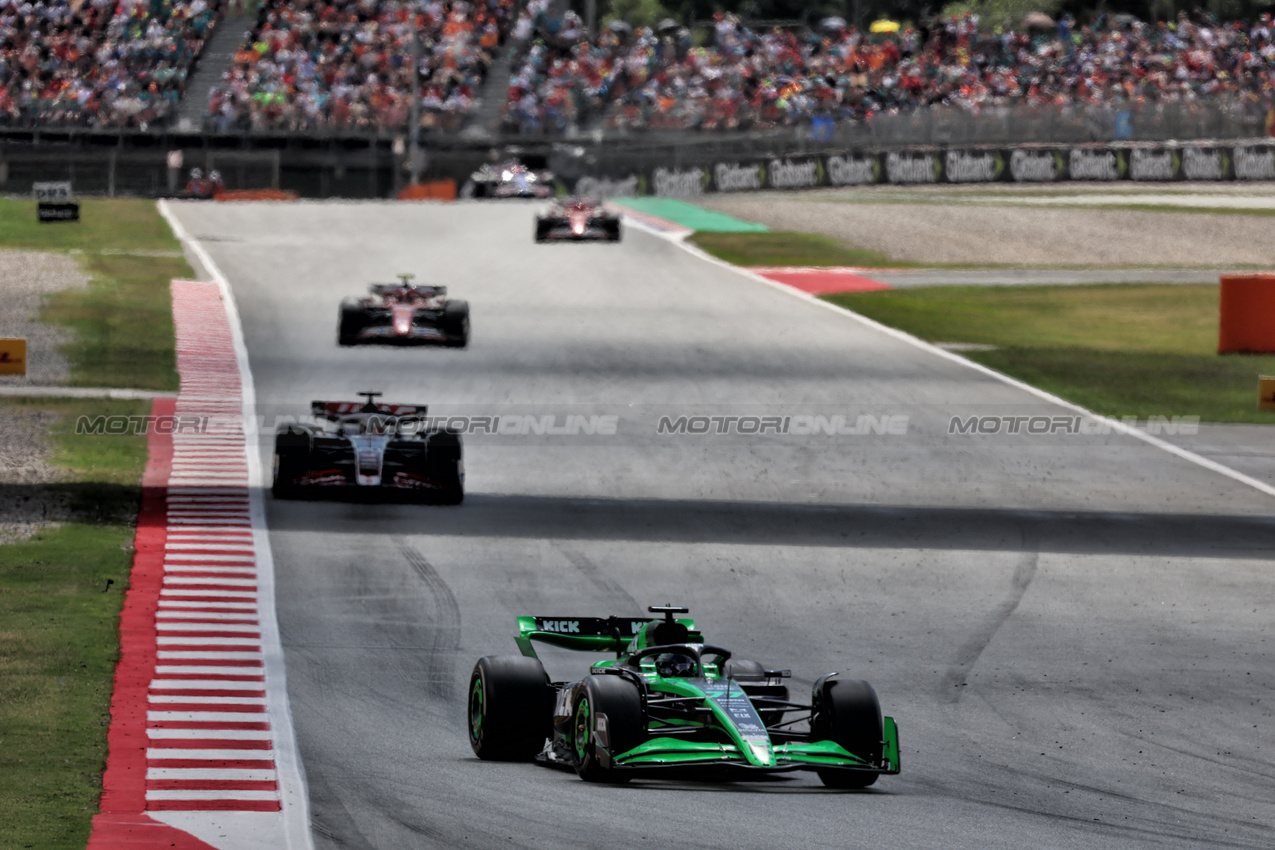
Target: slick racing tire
{"type": "Point", "coordinates": [542, 230]}
{"type": "Point", "coordinates": [445, 467]}
{"type": "Point", "coordinates": [618, 699]}
{"type": "Point", "coordinates": [291, 462]}
{"type": "Point", "coordinates": [350, 322]}
{"type": "Point", "coordinates": [613, 230]}
{"type": "Point", "coordinates": [510, 708]}
{"type": "Point", "coordinates": [847, 712]}
{"type": "Point", "coordinates": [456, 323]}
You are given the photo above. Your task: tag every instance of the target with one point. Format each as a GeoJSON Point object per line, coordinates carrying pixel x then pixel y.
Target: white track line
{"type": "Point", "coordinates": [293, 793]}
{"type": "Point", "coordinates": [1113, 424]}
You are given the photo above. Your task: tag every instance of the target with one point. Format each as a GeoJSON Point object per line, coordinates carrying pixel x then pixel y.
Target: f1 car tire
{"type": "Point", "coordinates": [444, 466]}
{"type": "Point", "coordinates": [350, 322]}
{"type": "Point", "coordinates": [456, 323]}
{"type": "Point", "coordinates": [510, 708]}
{"type": "Point", "coordinates": [618, 699]}
{"type": "Point", "coordinates": [542, 229]}
{"type": "Point", "coordinates": [613, 230]}
{"type": "Point", "coordinates": [847, 712]}
{"type": "Point", "coordinates": [291, 461]}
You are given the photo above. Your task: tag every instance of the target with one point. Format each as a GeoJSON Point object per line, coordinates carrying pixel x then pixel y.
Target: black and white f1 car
{"type": "Point", "coordinates": [577, 219]}
{"type": "Point", "coordinates": [510, 179]}
{"type": "Point", "coordinates": [369, 448]}
{"type": "Point", "coordinates": [403, 313]}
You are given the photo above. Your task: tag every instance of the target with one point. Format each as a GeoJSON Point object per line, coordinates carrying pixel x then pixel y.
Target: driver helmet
{"type": "Point", "coordinates": [196, 174]}
{"type": "Point", "coordinates": [214, 176]}
{"type": "Point", "coordinates": [674, 665]}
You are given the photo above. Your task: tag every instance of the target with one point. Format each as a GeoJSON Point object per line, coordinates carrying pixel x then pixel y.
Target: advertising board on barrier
{"type": "Point", "coordinates": [1084, 164]}
{"type": "Point", "coordinates": [795, 174]}
{"type": "Point", "coordinates": [973, 166]}
{"type": "Point", "coordinates": [913, 168]}
{"type": "Point", "coordinates": [686, 183]}
{"type": "Point", "coordinates": [606, 187]}
{"type": "Point", "coordinates": [1194, 161]}
{"type": "Point", "coordinates": [1146, 164]}
{"type": "Point", "coordinates": [1205, 164]}
{"type": "Point", "coordinates": [1036, 166]}
{"type": "Point", "coordinates": [1254, 163]}
{"type": "Point", "coordinates": [853, 169]}
{"type": "Point", "coordinates": [736, 177]}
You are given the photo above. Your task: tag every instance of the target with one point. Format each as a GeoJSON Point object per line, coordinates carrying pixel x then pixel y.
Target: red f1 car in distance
{"type": "Point", "coordinates": [405, 314]}
{"type": "Point", "coordinates": [576, 219]}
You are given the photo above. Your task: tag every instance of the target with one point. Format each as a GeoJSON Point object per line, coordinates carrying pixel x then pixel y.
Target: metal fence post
{"type": "Point", "coordinates": [110, 173]}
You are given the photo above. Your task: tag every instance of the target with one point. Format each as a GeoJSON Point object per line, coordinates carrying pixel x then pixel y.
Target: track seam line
{"type": "Point", "coordinates": [293, 792]}
{"type": "Point", "coordinates": [1115, 425]}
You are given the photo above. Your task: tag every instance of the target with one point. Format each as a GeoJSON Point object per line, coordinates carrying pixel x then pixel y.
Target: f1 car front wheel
{"type": "Point", "coordinates": [510, 708]}
{"type": "Point", "coordinates": [606, 720]}
{"type": "Point", "coordinates": [847, 712]}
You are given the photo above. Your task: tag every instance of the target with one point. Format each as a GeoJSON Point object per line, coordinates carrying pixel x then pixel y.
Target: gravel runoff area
{"type": "Point", "coordinates": [26, 505]}
{"type": "Point", "coordinates": [937, 230]}
{"type": "Point", "coordinates": [25, 277]}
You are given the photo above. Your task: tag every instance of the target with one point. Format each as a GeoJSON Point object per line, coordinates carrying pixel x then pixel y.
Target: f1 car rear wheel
{"type": "Point", "coordinates": [607, 716]}
{"type": "Point", "coordinates": [613, 230]}
{"type": "Point", "coordinates": [445, 467]}
{"type": "Point", "coordinates": [291, 462]}
{"type": "Point", "coordinates": [542, 229]}
{"type": "Point", "coordinates": [456, 323]}
{"type": "Point", "coordinates": [510, 708]}
{"type": "Point", "coordinates": [847, 712]}
{"type": "Point", "coordinates": [350, 322]}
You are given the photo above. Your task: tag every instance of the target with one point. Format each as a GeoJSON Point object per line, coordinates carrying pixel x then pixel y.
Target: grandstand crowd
{"type": "Point", "coordinates": [759, 78]}
{"type": "Point", "coordinates": [346, 65]}
{"type": "Point", "coordinates": [98, 63]}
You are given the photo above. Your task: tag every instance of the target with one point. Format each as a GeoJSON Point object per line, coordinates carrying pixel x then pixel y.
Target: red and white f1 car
{"type": "Point", "coordinates": [575, 219]}
{"type": "Point", "coordinates": [403, 313]}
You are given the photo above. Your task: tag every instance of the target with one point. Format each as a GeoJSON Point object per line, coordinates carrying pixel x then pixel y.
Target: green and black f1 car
{"type": "Point", "coordinates": [669, 701]}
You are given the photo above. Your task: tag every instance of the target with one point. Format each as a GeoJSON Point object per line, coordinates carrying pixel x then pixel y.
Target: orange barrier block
{"type": "Point", "coordinates": [437, 190]}
{"type": "Point", "coordinates": [1266, 392]}
{"type": "Point", "coordinates": [1246, 321]}
{"type": "Point", "coordinates": [257, 195]}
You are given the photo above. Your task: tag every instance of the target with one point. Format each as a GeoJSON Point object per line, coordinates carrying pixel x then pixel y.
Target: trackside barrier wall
{"type": "Point", "coordinates": [616, 168]}
{"type": "Point", "coordinates": [1037, 164]}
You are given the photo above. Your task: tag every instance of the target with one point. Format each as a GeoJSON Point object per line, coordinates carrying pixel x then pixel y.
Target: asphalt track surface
{"type": "Point", "coordinates": [1074, 632]}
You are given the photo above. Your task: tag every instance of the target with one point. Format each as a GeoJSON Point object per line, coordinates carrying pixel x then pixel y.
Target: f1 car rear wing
{"type": "Point", "coordinates": [336, 409]}
{"type": "Point", "coordinates": [423, 289]}
{"type": "Point", "coordinates": [587, 634]}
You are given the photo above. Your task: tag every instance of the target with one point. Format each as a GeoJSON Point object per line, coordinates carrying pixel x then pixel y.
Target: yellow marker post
{"type": "Point", "coordinates": [1266, 392]}
{"type": "Point", "coordinates": [13, 356]}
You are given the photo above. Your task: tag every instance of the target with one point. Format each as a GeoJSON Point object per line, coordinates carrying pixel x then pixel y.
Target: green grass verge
{"type": "Point", "coordinates": [59, 619]}
{"type": "Point", "coordinates": [786, 248]}
{"type": "Point", "coordinates": [1118, 349]}
{"type": "Point", "coordinates": [122, 322]}
{"type": "Point", "coordinates": [58, 646]}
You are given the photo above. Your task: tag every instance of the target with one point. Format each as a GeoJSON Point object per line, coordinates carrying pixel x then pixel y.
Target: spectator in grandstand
{"type": "Point", "coordinates": [346, 64]}
{"type": "Point", "coordinates": [98, 63]}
